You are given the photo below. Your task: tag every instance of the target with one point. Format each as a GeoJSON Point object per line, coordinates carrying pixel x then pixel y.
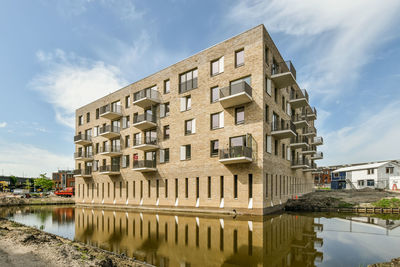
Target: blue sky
{"type": "Point", "coordinates": [59, 55]}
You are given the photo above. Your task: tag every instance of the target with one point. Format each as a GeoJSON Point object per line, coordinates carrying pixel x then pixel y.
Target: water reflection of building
{"type": "Point", "coordinates": [61, 215]}
{"type": "Point", "coordinates": [387, 224]}
{"type": "Point", "coordinates": [166, 240]}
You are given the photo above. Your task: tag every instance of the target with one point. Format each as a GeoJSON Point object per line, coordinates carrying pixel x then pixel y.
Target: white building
{"type": "Point", "coordinates": [372, 175]}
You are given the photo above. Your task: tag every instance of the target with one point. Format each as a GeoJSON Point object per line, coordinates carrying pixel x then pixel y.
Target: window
{"type": "Point", "coordinates": [126, 122]}
{"type": "Point", "coordinates": [186, 188]}
{"type": "Point", "coordinates": [176, 188]}
{"type": "Point", "coordinates": [158, 188]}
{"type": "Point", "coordinates": [239, 58]}
{"type": "Point", "coordinates": [250, 185]}
{"type": "Point", "coordinates": [188, 81]}
{"type": "Point", "coordinates": [283, 103]}
{"type": "Point", "coordinates": [276, 95]}
{"type": "Point", "coordinates": [266, 185]}
{"type": "Point", "coordinates": [268, 86]}
{"type": "Point", "coordinates": [166, 188]}
{"type": "Point", "coordinates": [221, 186]}
{"type": "Point", "coordinates": [186, 103]}
{"type": "Point", "coordinates": [186, 152]}
{"type": "Point", "coordinates": [389, 170]}
{"type": "Point", "coordinates": [276, 148]}
{"type": "Point", "coordinates": [214, 94]}
{"type": "Point", "coordinates": [166, 86]}
{"type": "Point", "coordinates": [96, 131]}
{"type": "Point", "coordinates": [239, 115]}
{"type": "Point", "coordinates": [190, 126]}
{"type": "Point", "coordinates": [217, 66]}
{"type": "Point", "coordinates": [164, 155]}
{"type": "Point", "coordinates": [235, 186]}
{"type": "Point", "coordinates": [149, 188]}
{"type": "Point", "coordinates": [217, 120]}
{"type": "Point", "coordinates": [97, 113]}
{"type": "Point", "coordinates": [80, 120]}
{"type": "Point", "coordinates": [88, 117]}
{"type": "Point", "coordinates": [127, 139]}
{"type": "Point", "coordinates": [209, 187]}
{"type": "Point", "coordinates": [127, 101]}
{"type": "Point", "coordinates": [166, 132]}
{"type": "Point", "coordinates": [360, 182]}
{"type": "Point", "coordinates": [283, 151]}
{"type": "Point", "coordinates": [164, 110]}
{"type": "Point", "coordinates": [370, 171]}
{"type": "Point", "coordinates": [214, 148]}
{"type": "Point", "coordinates": [266, 56]}
{"type": "Point", "coordinates": [370, 182]}
{"type": "Point", "coordinates": [95, 165]}
{"type": "Point", "coordinates": [268, 144]}
{"type": "Point", "coordinates": [267, 113]}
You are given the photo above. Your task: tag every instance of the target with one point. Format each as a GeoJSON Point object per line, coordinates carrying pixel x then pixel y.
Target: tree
{"type": "Point", "coordinates": [13, 180]}
{"type": "Point", "coordinates": [28, 184]}
{"type": "Point", "coordinates": [43, 182]}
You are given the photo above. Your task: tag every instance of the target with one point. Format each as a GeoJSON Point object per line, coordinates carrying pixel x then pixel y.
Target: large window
{"type": "Point", "coordinates": [126, 122]}
{"type": "Point", "coordinates": [239, 58]}
{"type": "Point", "coordinates": [239, 115]}
{"type": "Point", "coordinates": [214, 146]}
{"type": "Point", "coordinates": [186, 152]}
{"type": "Point", "coordinates": [166, 132]}
{"type": "Point", "coordinates": [217, 120]}
{"type": "Point", "coordinates": [127, 139]}
{"type": "Point", "coordinates": [188, 81]}
{"type": "Point", "coordinates": [190, 126]}
{"type": "Point", "coordinates": [80, 120]}
{"type": "Point", "coordinates": [166, 86]}
{"type": "Point", "coordinates": [237, 141]}
{"type": "Point", "coordinates": [127, 101]}
{"type": "Point", "coordinates": [164, 155]}
{"type": "Point", "coordinates": [214, 94]}
{"type": "Point", "coordinates": [217, 66]}
{"type": "Point", "coordinates": [186, 103]}
{"type": "Point", "coordinates": [125, 161]}
{"type": "Point", "coordinates": [268, 144]}
{"type": "Point", "coordinates": [164, 110]}
{"type": "Point", "coordinates": [370, 182]}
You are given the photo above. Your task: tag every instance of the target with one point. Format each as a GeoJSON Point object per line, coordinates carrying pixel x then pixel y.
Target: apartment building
{"type": "Point", "coordinates": [227, 129]}
{"type": "Point", "coordinates": [63, 179]}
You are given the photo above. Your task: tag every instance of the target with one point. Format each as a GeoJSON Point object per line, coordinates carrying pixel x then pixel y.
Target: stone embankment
{"type": "Point", "coordinates": [26, 246]}
{"type": "Point", "coordinates": [11, 200]}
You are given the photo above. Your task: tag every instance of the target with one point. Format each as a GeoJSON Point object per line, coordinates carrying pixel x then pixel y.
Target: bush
{"type": "Point", "coordinates": [387, 203]}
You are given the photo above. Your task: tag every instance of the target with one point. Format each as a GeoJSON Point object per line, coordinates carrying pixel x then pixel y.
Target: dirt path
{"type": "Point", "coordinates": [22, 246]}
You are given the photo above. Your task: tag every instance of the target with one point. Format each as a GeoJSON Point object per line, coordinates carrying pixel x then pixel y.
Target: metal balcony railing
{"type": "Point", "coordinates": [318, 139]}
{"type": "Point", "coordinates": [282, 67]}
{"type": "Point", "coordinates": [83, 137]}
{"type": "Point", "coordinates": [310, 148]}
{"type": "Point", "coordinates": [319, 154]}
{"type": "Point", "coordinates": [294, 96]}
{"type": "Point", "coordinates": [298, 117]}
{"type": "Point", "coordinates": [86, 171]}
{"type": "Point", "coordinates": [109, 168]}
{"type": "Point", "coordinates": [83, 154]}
{"type": "Point", "coordinates": [144, 117]}
{"type": "Point", "coordinates": [310, 129]}
{"type": "Point", "coordinates": [110, 108]}
{"type": "Point", "coordinates": [188, 85]}
{"type": "Point", "coordinates": [300, 161]}
{"type": "Point", "coordinates": [144, 164]}
{"type": "Point", "coordinates": [299, 139]}
{"type": "Point", "coordinates": [147, 140]}
{"type": "Point", "coordinates": [235, 89]}
{"type": "Point", "coordinates": [110, 148]}
{"type": "Point", "coordinates": [282, 125]}
{"type": "Point", "coordinates": [109, 128]}
{"type": "Point", "coordinates": [235, 152]}
{"type": "Point", "coordinates": [146, 93]}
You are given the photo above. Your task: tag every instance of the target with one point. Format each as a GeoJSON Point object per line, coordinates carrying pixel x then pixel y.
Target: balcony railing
{"type": "Point", "coordinates": [319, 155]}
{"type": "Point", "coordinates": [298, 117]}
{"type": "Point", "coordinates": [318, 140]}
{"type": "Point", "coordinates": [138, 164]}
{"type": "Point", "coordinates": [235, 152]}
{"type": "Point", "coordinates": [293, 95]}
{"type": "Point", "coordinates": [282, 126]}
{"type": "Point", "coordinates": [299, 139]}
{"type": "Point", "coordinates": [146, 93]}
{"type": "Point", "coordinates": [109, 128]}
{"type": "Point", "coordinates": [300, 161]}
{"type": "Point", "coordinates": [82, 137]}
{"type": "Point", "coordinates": [147, 140]}
{"type": "Point", "coordinates": [283, 67]}
{"type": "Point", "coordinates": [310, 130]}
{"type": "Point", "coordinates": [110, 108]}
{"type": "Point", "coordinates": [110, 148]}
{"type": "Point", "coordinates": [144, 117]}
{"type": "Point", "coordinates": [235, 89]}
{"type": "Point", "coordinates": [109, 168]}
{"type": "Point", "coordinates": [188, 85]}
{"type": "Point", "coordinates": [83, 154]}
{"type": "Point", "coordinates": [87, 171]}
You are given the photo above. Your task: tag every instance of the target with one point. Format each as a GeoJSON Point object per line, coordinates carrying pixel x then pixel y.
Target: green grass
{"type": "Point", "coordinates": [345, 205]}
{"type": "Point", "coordinates": [387, 203]}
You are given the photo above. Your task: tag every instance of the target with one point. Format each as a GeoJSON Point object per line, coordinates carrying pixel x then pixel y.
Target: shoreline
{"type": "Point", "coordinates": [22, 245]}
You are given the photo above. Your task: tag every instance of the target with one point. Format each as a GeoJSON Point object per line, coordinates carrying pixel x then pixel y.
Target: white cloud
{"type": "Point", "coordinates": [3, 124]}
{"type": "Point", "coordinates": [25, 159]}
{"type": "Point", "coordinates": [70, 82]}
{"type": "Point", "coordinates": [370, 139]}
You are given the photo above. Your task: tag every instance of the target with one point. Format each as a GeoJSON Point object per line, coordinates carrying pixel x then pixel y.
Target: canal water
{"type": "Point", "coordinates": [167, 240]}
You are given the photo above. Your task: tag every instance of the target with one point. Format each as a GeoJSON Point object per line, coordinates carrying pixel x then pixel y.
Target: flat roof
{"type": "Point", "coordinates": [361, 167]}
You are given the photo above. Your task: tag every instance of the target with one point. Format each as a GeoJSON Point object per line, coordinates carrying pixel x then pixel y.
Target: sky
{"type": "Point", "coordinates": [56, 56]}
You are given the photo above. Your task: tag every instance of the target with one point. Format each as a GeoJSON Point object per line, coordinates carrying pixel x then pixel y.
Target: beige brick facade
{"type": "Point", "coordinates": [274, 177]}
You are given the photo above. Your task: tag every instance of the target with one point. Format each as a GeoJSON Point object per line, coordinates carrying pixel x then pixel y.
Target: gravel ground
{"type": "Point", "coordinates": [7, 199]}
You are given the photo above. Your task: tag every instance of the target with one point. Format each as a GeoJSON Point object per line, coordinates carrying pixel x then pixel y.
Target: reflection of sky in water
{"type": "Point", "coordinates": [366, 244]}
{"type": "Point", "coordinates": [64, 229]}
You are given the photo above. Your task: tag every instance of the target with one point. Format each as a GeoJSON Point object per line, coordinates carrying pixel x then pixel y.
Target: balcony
{"type": "Point", "coordinates": [85, 173]}
{"type": "Point", "coordinates": [144, 121]}
{"type": "Point", "coordinates": [283, 129]}
{"type": "Point", "coordinates": [85, 156]}
{"type": "Point", "coordinates": [310, 131]}
{"type": "Point", "coordinates": [299, 142]}
{"type": "Point", "coordinates": [312, 168]}
{"type": "Point", "coordinates": [111, 111]}
{"type": "Point", "coordinates": [109, 131]}
{"type": "Point", "coordinates": [317, 155]}
{"type": "Point", "coordinates": [298, 100]}
{"type": "Point", "coordinates": [109, 169]}
{"type": "Point", "coordinates": [283, 74]}
{"type": "Point", "coordinates": [235, 154]}
{"type": "Point", "coordinates": [300, 120]}
{"type": "Point", "coordinates": [110, 150]}
{"type": "Point", "coordinates": [236, 94]}
{"type": "Point", "coordinates": [300, 163]}
{"type": "Point", "coordinates": [317, 141]}
{"type": "Point", "coordinates": [144, 166]}
{"type": "Point", "coordinates": [311, 150]}
{"type": "Point", "coordinates": [145, 144]}
{"type": "Point", "coordinates": [312, 114]}
{"type": "Point", "coordinates": [82, 139]}
{"type": "Point", "coordinates": [147, 97]}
